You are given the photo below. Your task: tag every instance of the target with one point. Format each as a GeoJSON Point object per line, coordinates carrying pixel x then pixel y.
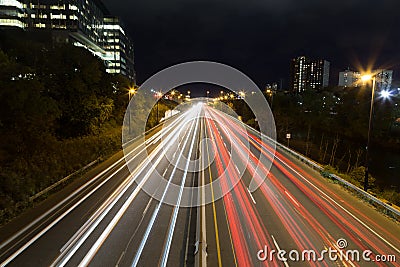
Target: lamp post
{"type": "Point", "coordinates": [131, 93]}
{"type": "Point", "coordinates": [242, 95]}
{"type": "Point", "coordinates": [270, 93]}
{"type": "Point", "coordinates": [366, 78]}
{"type": "Point", "coordinates": [158, 96]}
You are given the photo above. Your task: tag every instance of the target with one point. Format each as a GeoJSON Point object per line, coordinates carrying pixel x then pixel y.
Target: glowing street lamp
{"type": "Point", "coordinates": [158, 96]}
{"type": "Point", "coordinates": [270, 93]}
{"type": "Point", "coordinates": [131, 92]}
{"type": "Point", "coordinates": [365, 78]}
{"type": "Point", "coordinates": [385, 94]}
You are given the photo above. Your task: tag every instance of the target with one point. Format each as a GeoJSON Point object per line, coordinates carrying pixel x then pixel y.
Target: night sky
{"type": "Point", "coordinates": [259, 37]}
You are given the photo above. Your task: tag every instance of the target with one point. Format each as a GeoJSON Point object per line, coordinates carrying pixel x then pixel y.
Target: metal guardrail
{"type": "Point", "coordinates": [390, 211]}
{"type": "Point", "coordinates": [51, 187]}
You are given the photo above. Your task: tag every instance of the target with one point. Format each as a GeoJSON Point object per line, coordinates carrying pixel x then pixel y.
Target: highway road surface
{"type": "Point", "coordinates": [295, 218]}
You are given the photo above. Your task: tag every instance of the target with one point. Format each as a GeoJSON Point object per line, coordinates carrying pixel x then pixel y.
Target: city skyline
{"type": "Point", "coordinates": [261, 38]}
{"type": "Point", "coordinates": [199, 133]}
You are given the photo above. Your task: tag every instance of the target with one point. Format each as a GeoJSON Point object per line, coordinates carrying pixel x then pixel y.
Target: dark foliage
{"type": "Point", "coordinates": [60, 110]}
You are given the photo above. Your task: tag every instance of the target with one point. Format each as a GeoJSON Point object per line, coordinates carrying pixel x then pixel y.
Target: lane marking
{"type": "Point", "coordinates": [279, 249]}
{"type": "Point", "coordinates": [147, 207]}
{"type": "Point", "coordinates": [223, 204]}
{"type": "Point", "coordinates": [252, 198]}
{"type": "Point", "coordinates": [295, 202]}
{"type": "Point", "coordinates": [214, 208]}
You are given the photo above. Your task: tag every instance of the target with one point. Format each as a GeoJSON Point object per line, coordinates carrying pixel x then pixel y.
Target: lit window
{"type": "Point", "coordinates": [11, 3]}
{"type": "Point", "coordinates": [55, 7]}
{"type": "Point", "coordinates": [40, 25]}
{"type": "Point", "coordinates": [12, 23]}
{"type": "Point", "coordinates": [73, 7]}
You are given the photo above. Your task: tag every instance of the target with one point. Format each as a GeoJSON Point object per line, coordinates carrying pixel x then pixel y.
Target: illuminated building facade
{"type": "Point", "coordinates": [119, 55]}
{"type": "Point", "coordinates": [307, 74]}
{"type": "Point", "coordinates": [12, 14]}
{"type": "Point", "coordinates": [83, 23]}
{"type": "Point", "coordinates": [349, 78]}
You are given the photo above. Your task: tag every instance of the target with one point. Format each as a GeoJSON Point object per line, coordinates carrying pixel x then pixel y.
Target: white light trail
{"type": "Point", "coordinates": [167, 248]}
{"type": "Point", "coordinates": [65, 257]}
{"type": "Point", "coordinates": [156, 211]}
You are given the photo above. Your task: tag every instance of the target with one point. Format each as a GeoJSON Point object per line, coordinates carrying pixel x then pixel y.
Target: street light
{"type": "Point", "coordinates": [271, 96]}
{"type": "Point", "coordinates": [242, 95]}
{"type": "Point", "coordinates": [366, 78]}
{"type": "Point", "coordinates": [158, 96]}
{"type": "Point", "coordinates": [131, 92]}
{"type": "Point", "coordinates": [385, 94]}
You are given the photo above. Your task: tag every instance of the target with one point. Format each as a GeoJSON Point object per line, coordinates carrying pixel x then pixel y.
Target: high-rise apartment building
{"type": "Point", "coordinates": [84, 23]}
{"type": "Point", "coordinates": [384, 79]}
{"type": "Point", "coordinates": [308, 74]}
{"type": "Point", "coordinates": [298, 75]}
{"type": "Point", "coordinates": [349, 78]}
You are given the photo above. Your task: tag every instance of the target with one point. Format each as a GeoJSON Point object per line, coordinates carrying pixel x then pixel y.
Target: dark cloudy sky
{"type": "Point", "coordinates": [259, 37]}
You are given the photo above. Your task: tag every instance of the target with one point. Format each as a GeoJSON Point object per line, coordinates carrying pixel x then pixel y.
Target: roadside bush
{"type": "Point", "coordinates": [392, 196]}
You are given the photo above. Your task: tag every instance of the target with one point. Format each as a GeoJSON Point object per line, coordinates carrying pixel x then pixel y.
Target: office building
{"type": "Point", "coordinates": [119, 53]}
{"type": "Point", "coordinates": [12, 14]}
{"type": "Point", "coordinates": [83, 23]}
{"type": "Point", "coordinates": [306, 73]}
